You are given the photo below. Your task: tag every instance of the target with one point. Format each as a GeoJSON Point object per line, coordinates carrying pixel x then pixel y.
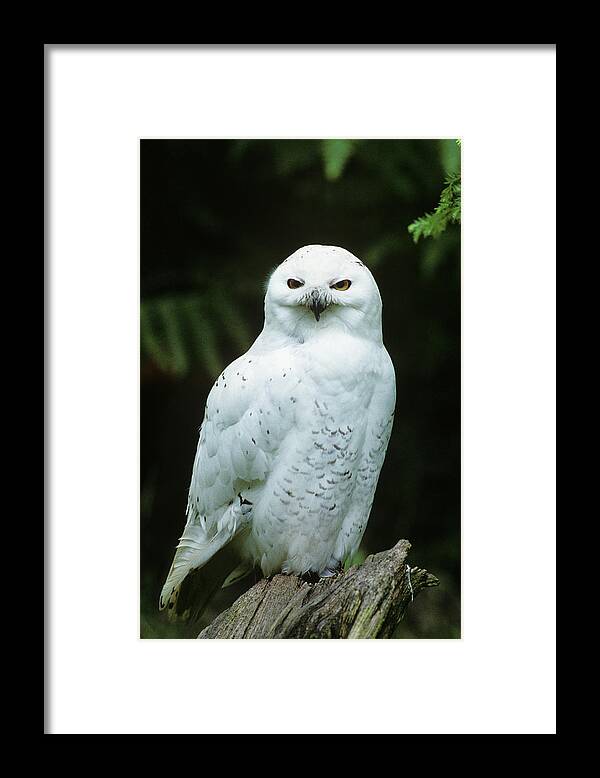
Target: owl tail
{"type": "Point", "coordinates": [199, 569]}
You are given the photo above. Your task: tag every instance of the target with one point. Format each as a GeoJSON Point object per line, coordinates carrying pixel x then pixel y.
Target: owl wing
{"type": "Point", "coordinates": [244, 424]}
{"type": "Point", "coordinates": [377, 437]}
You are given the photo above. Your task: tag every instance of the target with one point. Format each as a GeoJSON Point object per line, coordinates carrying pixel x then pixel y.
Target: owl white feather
{"type": "Point", "coordinates": [295, 431]}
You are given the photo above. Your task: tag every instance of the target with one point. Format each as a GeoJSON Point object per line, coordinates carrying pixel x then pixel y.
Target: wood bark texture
{"type": "Point", "coordinates": [366, 601]}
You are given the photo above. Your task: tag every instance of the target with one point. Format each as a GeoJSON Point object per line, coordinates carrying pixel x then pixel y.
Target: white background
{"type": "Point", "coordinates": [499, 678]}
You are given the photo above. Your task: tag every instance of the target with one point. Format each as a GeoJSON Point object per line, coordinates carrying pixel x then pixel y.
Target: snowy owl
{"type": "Point", "coordinates": [294, 435]}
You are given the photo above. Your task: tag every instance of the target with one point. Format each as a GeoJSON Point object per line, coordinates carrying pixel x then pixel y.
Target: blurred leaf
{"type": "Point", "coordinates": [433, 253]}
{"type": "Point", "coordinates": [233, 321]}
{"type": "Point", "coordinates": [152, 344]}
{"type": "Point", "coordinates": [383, 248]}
{"type": "Point", "coordinates": [203, 336]}
{"type": "Point", "coordinates": [179, 331]}
{"type": "Point", "coordinates": [450, 156]}
{"type": "Point", "coordinates": [173, 334]}
{"type": "Point", "coordinates": [336, 154]}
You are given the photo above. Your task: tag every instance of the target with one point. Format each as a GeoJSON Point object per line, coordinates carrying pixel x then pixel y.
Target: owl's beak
{"type": "Point", "coordinates": [317, 303]}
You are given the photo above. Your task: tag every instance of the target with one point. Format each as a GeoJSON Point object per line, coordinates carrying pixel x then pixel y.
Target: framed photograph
{"type": "Point", "coordinates": [301, 387]}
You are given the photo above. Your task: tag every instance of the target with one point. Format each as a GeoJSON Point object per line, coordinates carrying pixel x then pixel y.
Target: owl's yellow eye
{"type": "Point", "coordinates": [293, 283]}
{"type": "Point", "coordinates": [341, 286]}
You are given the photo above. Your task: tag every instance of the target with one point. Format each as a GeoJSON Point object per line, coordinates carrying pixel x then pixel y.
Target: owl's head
{"type": "Point", "coordinates": [323, 287]}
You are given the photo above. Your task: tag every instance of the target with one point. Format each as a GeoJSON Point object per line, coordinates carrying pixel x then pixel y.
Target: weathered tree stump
{"type": "Point", "coordinates": [367, 601]}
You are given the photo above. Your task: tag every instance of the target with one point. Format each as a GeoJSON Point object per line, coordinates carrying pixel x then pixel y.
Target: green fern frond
{"type": "Point", "coordinates": [432, 225]}
{"type": "Point", "coordinates": [237, 329]}
{"type": "Point", "coordinates": [179, 331]}
{"type": "Point", "coordinates": [153, 347]}
{"type": "Point", "coordinates": [204, 343]}
{"type": "Point", "coordinates": [173, 330]}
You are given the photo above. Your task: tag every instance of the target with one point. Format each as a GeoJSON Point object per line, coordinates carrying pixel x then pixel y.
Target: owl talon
{"type": "Point", "coordinates": [245, 505]}
{"type": "Point", "coordinates": [311, 577]}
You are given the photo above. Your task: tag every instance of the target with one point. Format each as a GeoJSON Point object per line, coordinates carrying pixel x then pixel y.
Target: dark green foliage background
{"type": "Point", "coordinates": [216, 217]}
